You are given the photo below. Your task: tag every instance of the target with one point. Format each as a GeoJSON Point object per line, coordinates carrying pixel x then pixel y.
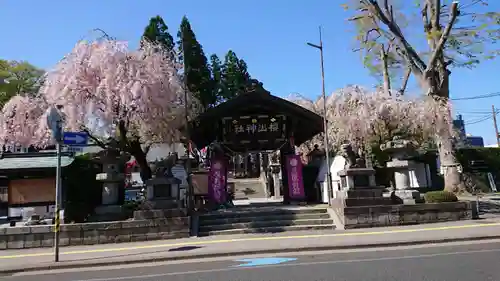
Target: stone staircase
{"type": "Point", "coordinates": [265, 219]}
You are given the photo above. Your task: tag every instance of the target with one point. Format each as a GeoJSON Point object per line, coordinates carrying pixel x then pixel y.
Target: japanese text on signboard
{"type": "Point", "coordinates": [295, 180]}
{"type": "Point", "coordinates": [254, 128]}
{"type": "Point", "coordinates": [217, 181]}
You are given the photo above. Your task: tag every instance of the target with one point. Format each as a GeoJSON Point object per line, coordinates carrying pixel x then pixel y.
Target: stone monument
{"type": "Point", "coordinates": [401, 152]}
{"type": "Point", "coordinates": [357, 182]}
{"type": "Point", "coordinates": [161, 201]}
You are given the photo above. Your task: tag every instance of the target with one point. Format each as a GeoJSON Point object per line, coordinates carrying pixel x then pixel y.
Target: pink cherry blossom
{"type": "Point", "coordinates": [106, 83]}
{"type": "Point", "coordinates": [364, 118]}
{"type": "Point", "coordinates": [22, 122]}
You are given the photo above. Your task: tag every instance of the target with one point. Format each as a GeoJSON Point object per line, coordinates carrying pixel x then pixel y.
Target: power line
{"type": "Point", "coordinates": [490, 95]}
{"type": "Point", "coordinates": [474, 112]}
{"type": "Point", "coordinates": [480, 120]}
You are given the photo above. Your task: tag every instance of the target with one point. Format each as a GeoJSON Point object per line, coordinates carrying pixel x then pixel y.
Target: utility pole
{"type": "Point", "coordinates": [328, 177]}
{"type": "Point", "coordinates": [497, 137]}
{"type": "Point", "coordinates": [190, 191]}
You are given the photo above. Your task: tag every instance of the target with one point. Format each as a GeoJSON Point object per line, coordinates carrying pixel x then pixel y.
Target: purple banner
{"type": "Point", "coordinates": [217, 180]}
{"type": "Point", "coordinates": [295, 182]}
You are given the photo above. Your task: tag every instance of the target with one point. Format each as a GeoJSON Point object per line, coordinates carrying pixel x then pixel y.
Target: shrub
{"type": "Point", "coordinates": [440, 197]}
{"type": "Point", "coordinates": [82, 190]}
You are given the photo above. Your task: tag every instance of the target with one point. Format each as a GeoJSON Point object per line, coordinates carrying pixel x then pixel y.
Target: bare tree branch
{"type": "Point", "coordinates": [444, 36]}
{"type": "Point", "coordinates": [409, 53]}
{"type": "Point", "coordinates": [95, 139]}
{"type": "Point", "coordinates": [437, 13]}
{"type": "Point", "coordinates": [385, 70]}
{"type": "Point", "coordinates": [425, 16]}
{"type": "Point", "coordinates": [405, 81]}
{"type": "Point", "coordinates": [147, 149]}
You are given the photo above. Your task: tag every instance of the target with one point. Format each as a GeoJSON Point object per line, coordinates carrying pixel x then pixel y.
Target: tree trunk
{"type": "Point", "coordinates": [134, 148]}
{"type": "Point", "coordinates": [140, 158]}
{"type": "Point", "coordinates": [449, 166]}
{"type": "Point", "coordinates": [437, 84]}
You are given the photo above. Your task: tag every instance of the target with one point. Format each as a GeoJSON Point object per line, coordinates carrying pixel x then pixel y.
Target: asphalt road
{"type": "Point", "coordinates": [453, 262]}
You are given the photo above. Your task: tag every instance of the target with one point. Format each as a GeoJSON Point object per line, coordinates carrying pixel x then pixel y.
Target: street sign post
{"type": "Point", "coordinates": [75, 138]}
{"type": "Point", "coordinates": [55, 123]}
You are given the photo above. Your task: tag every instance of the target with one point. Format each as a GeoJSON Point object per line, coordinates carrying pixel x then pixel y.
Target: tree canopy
{"type": "Point", "coordinates": [451, 35]}
{"type": "Point", "coordinates": [136, 96]}
{"type": "Point", "coordinates": [18, 78]}
{"type": "Point", "coordinates": [156, 32]}
{"type": "Point", "coordinates": [235, 76]}
{"type": "Point", "coordinates": [400, 38]}
{"type": "Point", "coordinates": [367, 119]}
{"type": "Point", "coordinates": [195, 63]}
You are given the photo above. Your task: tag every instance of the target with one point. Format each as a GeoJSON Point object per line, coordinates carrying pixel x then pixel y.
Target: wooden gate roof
{"type": "Point", "coordinates": [306, 123]}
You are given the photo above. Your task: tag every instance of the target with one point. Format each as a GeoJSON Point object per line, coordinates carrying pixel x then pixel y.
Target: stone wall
{"type": "Point", "coordinates": [94, 233]}
{"type": "Point", "coordinates": [393, 215]}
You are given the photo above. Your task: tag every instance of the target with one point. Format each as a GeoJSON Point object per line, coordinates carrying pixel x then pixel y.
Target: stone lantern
{"type": "Point", "coordinates": [111, 178]}
{"type": "Point", "coordinates": [401, 152]}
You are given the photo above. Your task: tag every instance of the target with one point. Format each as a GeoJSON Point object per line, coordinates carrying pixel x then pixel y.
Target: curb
{"type": "Point", "coordinates": [75, 265]}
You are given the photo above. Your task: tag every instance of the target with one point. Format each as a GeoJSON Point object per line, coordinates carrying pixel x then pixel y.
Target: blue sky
{"type": "Point", "coordinates": [270, 35]}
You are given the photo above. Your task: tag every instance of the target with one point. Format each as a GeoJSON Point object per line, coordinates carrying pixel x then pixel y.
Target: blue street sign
{"type": "Point", "coordinates": [75, 138]}
{"type": "Point", "coordinates": [263, 261]}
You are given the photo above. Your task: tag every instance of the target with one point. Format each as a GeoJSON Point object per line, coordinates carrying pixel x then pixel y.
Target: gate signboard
{"type": "Point", "coordinates": [254, 129]}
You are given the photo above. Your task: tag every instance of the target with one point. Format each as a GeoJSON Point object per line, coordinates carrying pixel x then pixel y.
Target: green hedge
{"type": "Point", "coordinates": [490, 156]}
{"type": "Point", "coordinates": [487, 160]}
{"type": "Point", "coordinates": [83, 191]}
{"type": "Point", "coordinates": [440, 197]}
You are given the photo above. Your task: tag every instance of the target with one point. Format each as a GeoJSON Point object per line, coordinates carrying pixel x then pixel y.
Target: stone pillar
{"type": "Point", "coordinates": [403, 189]}
{"type": "Point", "coordinates": [275, 169]}
{"type": "Point", "coordinates": [402, 178]}
{"type": "Point", "coordinates": [285, 150]}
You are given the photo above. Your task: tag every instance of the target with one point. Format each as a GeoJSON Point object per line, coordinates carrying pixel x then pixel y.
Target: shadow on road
{"type": "Point", "coordinates": [185, 248]}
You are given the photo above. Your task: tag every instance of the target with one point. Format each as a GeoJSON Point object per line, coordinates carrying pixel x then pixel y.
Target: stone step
{"type": "Point", "coordinates": [366, 193]}
{"type": "Point", "coordinates": [233, 220]}
{"type": "Point", "coordinates": [158, 214]}
{"type": "Point", "coordinates": [159, 204]}
{"type": "Point", "coordinates": [367, 187]}
{"type": "Point", "coordinates": [107, 217]}
{"type": "Point", "coordinates": [260, 212]}
{"type": "Point", "coordinates": [261, 224]}
{"type": "Point", "coordinates": [354, 202]}
{"type": "Point", "coordinates": [271, 229]}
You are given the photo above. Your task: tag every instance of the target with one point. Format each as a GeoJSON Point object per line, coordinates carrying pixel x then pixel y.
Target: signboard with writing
{"type": "Point", "coordinates": [295, 179]}
{"type": "Point", "coordinates": [217, 180]}
{"type": "Point", "coordinates": [257, 128]}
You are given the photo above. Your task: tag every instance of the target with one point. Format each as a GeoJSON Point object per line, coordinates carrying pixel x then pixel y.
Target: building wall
{"type": "Point", "coordinates": [4, 197]}
{"type": "Point", "coordinates": [27, 191]}
{"type": "Point", "coordinates": [475, 141]}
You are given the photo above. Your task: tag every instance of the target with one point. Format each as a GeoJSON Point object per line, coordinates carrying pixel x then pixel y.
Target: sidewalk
{"type": "Point", "coordinates": [12, 261]}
